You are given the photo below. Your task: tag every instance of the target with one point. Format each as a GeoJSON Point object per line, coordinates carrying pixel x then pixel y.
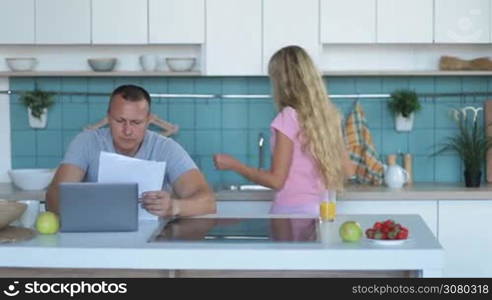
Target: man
{"type": "Point", "coordinates": [128, 119]}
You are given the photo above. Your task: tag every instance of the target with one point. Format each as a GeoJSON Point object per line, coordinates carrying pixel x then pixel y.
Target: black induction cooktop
{"type": "Point", "coordinates": [229, 230]}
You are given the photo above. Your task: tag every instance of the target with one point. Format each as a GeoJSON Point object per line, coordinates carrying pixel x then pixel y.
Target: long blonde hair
{"type": "Point", "coordinates": [297, 83]}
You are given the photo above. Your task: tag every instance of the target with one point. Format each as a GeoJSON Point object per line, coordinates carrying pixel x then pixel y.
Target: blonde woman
{"type": "Point", "coordinates": [309, 154]}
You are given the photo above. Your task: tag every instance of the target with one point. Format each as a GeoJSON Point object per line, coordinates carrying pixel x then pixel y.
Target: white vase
{"type": "Point", "coordinates": [402, 123]}
{"type": "Point", "coordinates": [35, 122]}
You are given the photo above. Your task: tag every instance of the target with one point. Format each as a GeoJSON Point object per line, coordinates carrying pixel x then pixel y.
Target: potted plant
{"type": "Point", "coordinates": [470, 143]}
{"type": "Point", "coordinates": [403, 104]}
{"type": "Point", "coordinates": [37, 103]}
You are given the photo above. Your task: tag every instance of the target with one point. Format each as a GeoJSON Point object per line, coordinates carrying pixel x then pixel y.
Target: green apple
{"type": "Point", "coordinates": [47, 223]}
{"type": "Point", "coordinates": [350, 231]}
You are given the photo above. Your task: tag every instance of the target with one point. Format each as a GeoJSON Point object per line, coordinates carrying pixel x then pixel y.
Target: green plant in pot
{"type": "Point", "coordinates": [404, 104]}
{"type": "Point", "coordinates": [469, 143]}
{"type": "Point", "coordinates": [37, 103]}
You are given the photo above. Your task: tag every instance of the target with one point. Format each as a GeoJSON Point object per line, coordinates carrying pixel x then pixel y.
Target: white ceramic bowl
{"type": "Point", "coordinates": [21, 63]}
{"type": "Point", "coordinates": [180, 64]}
{"type": "Point", "coordinates": [31, 179]}
{"type": "Point", "coordinates": [102, 64]}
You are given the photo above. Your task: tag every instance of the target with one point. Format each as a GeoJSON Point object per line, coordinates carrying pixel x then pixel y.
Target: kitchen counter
{"type": "Point", "coordinates": [131, 251]}
{"type": "Point", "coordinates": [354, 192]}
{"type": "Point", "coordinates": [9, 192]}
{"type": "Point", "coordinates": [417, 191]}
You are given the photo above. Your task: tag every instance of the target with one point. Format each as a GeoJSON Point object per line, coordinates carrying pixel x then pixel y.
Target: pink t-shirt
{"type": "Point", "coordinates": [303, 188]}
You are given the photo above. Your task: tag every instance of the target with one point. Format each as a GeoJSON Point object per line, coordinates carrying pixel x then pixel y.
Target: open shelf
{"type": "Point", "coordinates": [97, 74]}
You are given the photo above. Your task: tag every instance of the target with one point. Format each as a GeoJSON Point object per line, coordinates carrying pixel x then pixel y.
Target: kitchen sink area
{"type": "Point", "coordinates": [247, 187]}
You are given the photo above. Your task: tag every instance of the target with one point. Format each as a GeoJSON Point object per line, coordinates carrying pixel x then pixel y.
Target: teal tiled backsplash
{"type": "Point", "coordinates": [209, 126]}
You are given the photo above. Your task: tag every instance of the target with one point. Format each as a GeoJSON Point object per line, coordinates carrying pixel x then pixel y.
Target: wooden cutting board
{"type": "Point", "coordinates": [488, 132]}
{"type": "Point", "coordinates": [12, 234]}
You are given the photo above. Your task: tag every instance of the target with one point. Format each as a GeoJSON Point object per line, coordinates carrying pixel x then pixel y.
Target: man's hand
{"type": "Point", "coordinates": [158, 203]}
{"type": "Point", "coordinates": [225, 162]}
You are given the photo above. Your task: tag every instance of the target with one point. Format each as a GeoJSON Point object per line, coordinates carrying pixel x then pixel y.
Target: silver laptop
{"type": "Point", "coordinates": [93, 207]}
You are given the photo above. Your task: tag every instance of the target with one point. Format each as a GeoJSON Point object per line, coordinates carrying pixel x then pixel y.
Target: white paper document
{"type": "Point", "coordinates": [116, 168]}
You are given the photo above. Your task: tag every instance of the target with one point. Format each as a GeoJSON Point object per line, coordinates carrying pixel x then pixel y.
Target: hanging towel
{"type": "Point", "coordinates": [361, 148]}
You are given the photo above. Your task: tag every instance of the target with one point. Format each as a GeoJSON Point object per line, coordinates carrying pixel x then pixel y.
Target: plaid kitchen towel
{"type": "Point", "coordinates": [361, 148]}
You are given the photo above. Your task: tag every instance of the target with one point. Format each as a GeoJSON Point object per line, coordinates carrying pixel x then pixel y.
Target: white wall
{"type": "Point", "coordinates": [5, 157]}
{"type": "Point", "coordinates": [394, 57]}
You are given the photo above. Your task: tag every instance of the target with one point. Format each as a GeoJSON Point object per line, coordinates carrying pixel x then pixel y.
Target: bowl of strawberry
{"type": "Point", "coordinates": [387, 232]}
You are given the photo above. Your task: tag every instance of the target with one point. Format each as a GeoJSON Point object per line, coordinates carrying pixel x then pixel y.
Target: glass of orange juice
{"type": "Point", "coordinates": [328, 207]}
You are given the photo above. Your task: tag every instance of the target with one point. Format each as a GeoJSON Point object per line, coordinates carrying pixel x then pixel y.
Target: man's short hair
{"type": "Point", "coordinates": [130, 92]}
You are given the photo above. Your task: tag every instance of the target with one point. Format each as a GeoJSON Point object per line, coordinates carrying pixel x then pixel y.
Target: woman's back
{"type": "Point", "coordinates": [303, 187]}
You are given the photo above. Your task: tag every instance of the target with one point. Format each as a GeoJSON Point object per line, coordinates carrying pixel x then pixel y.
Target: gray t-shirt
{"type": "Point", "coordinates": [85, 148]}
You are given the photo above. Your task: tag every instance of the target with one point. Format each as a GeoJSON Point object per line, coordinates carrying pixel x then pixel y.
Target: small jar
{"type": "Point", "coordinates": [328, 207]}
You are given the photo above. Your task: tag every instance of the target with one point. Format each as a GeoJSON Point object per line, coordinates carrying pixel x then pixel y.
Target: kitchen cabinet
{"type": "Point", "coordinates": [290, 22]}
{"type": "Point", "coordinates": [349, 21]}
{"type": "Point", "coordinates": [252, 208]}
{"type": "Point", "coordinates": [69, 19]}
{"type": "Point", "coordinates": [17, 22]}
{"type": "Point", "coordinates": [464, 233]}
{"type": "Point", "coordinates": [402, 21]}
{"type": "Point", "coordinates": [427, 209]}
{"type": "Point", "coordinates": [458, 21]}
{"type": "Point", "coordinates": [176, 21]}
{"type": "Point", "coordinates": [233, 37]}
{"type": "Point", "coordinates": [119, 22]}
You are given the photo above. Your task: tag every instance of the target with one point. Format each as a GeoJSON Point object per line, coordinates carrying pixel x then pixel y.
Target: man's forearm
{"type": "Point", "coordinates": [52, 198]}
{"type": "Point", "coordinates": [200, 203]}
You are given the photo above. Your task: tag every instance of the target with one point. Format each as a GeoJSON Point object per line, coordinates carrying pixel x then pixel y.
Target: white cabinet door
{"type": "Point", "coordinates": [464, 233]}
{"type": "Point", "coordinates": [403, 21]}
{"type": "Point", "coordinates": [243, 208]}
{"type": "Point", "coordinates": [17, 22]}
{"type": "Point", "coordinates": [427, 209]}
{"type": "Point", "coordinates": [348, 21]}
{"type": "Point", "coordinates": [290, 22]}
{"type": "Point", "coordinates": [63, 21]}
{"type": "Point", "coordinates": [458, 21]}
{"type": "Point", "coordinates": [233, 37]}
{"type": "Point", "coordinates": [176, 21]}
{"type": "Point", "coordinates": [119, 22]}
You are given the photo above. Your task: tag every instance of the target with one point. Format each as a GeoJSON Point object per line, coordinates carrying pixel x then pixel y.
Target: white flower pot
{"type": "Point", "coordinates": [402, 123]}
{"type": "Point", "coordinates": [35, 122]}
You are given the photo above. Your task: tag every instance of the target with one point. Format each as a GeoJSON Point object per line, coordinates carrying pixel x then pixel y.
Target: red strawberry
{"type": "Point", "coordinates": [378, 235]}
{"type": "Point", "coordinates": [378, 225]}
{"type": "Point", "coordinates": [392, 235]}
{"type": "Point", "coordinates": [370, 233]}
{"type": "Point", "coordinates": [402, 235]}
{"type": "Point", "coordinates": [389, 222]}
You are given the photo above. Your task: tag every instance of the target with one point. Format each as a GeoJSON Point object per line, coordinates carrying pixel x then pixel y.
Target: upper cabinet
{"type": "Point", "coordinates": [348, 21]}
{"type": "Point", "coordinates": [290, 22]}
{"type": "Point", "coordinates": [119, 22]}
{"type": "Point", "coordinates": [458, 21]}
{"type": "Point", "coordinates": [69, 19]}
{"type": "Point", "coordinates": [403, 21]}
{"type": "Point", "coordinates": [176, 21]}
{"type": "Point", "coordinates": [17, 22]}
{"type": "Point", "coordinates": [234, 37]}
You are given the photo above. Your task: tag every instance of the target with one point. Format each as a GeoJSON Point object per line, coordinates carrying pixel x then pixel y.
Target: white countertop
{"type": "Point", "coordinates": [355, 192]}
{"type": "Point", "coordinates": [132, 251]}
{"type": "Point", "coordinates": [417, 191]}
